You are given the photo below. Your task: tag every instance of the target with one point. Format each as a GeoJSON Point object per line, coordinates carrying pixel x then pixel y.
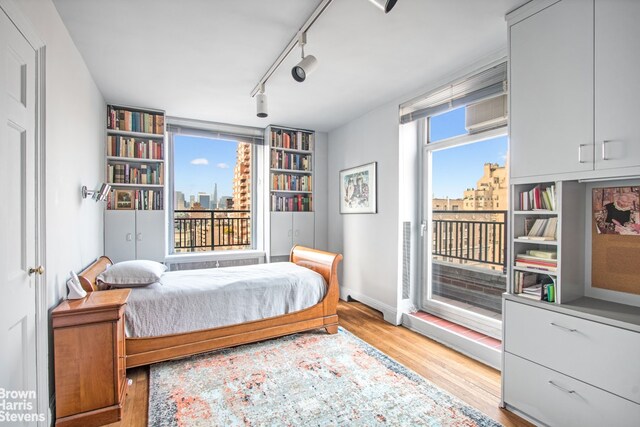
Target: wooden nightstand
{"type": "Point", "coordinates": [89, 358]}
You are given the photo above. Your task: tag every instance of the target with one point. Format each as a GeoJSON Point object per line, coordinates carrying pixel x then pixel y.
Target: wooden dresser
{"type": "Point", "coordinates": [89, 358]}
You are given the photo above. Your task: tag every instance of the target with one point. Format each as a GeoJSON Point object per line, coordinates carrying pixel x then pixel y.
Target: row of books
{"type": "Point", "coordinates": [534, 286]}
{"type": "Point", "coordinates": [540, 228]}
{"type": "Point", "coordinates": [142, 174]}
{"type": "Point", "coordinates": [122, 146]}
{"type": "Point", "coordinates": [281, 181]}
{"type": "Point", "coordinates": [134, 121]}
{"type": "Point", "coordinates": [143, 200]}
{"type": "Point", "coordinates": [538, 259]}
{"type": "Point", "coordinates": [282, 160]}
{"type": "Point", "coordinates": [538, 199]}
{"type": "Point", "coordinates": [291, 139]}
{"type": "Point", "coordinates": [297, 203]}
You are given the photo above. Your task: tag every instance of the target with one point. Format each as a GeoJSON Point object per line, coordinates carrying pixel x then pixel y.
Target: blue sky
{"type": "Point", "coordinates": [201, 162]}
{"type": "Point", "coordinates": [456, 169]}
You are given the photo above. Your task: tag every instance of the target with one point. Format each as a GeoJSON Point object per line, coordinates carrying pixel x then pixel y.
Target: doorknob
{"type": "Point", "coordinates": [39, 270]}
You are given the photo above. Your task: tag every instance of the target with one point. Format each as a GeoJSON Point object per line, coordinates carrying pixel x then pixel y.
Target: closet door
{"type": "Point", "coordinates": [551, 89]}
{"type": "Point", "coordinates": [150, 232]}
{"type": "Point", "coordinates": [304, 229]}
{"type": "Point", "coordinates": [617, 85]}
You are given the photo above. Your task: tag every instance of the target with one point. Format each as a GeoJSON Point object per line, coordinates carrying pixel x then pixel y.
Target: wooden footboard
{"type": "Point", "coordinates": [144, 351]}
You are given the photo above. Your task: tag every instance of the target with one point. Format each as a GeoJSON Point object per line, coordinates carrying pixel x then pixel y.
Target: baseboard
{"type": "Point", "coordinates": [475, 350]}
{"type": "Point", "coordinates": [389, 313]}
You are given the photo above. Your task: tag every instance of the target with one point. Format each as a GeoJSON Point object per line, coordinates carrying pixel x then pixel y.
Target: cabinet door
{"type": "Point", "coordinates": [617, 61]}
{"type": "Point", "coordinates": [281, 233]}
{"type": "Point", "coordinates": [304, 229]}
{"type": "Point", "coordinates": [119, 235]}
{"type": "Point", "coordinates": [150, 232]}
{"type": "Point", "coordinates": [551, 89]}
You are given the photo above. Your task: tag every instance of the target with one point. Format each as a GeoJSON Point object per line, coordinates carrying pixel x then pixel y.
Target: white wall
{"type": "Point", "coordinates": [368, 242]}
{"type": "Point", "coordinates": [75, 129]}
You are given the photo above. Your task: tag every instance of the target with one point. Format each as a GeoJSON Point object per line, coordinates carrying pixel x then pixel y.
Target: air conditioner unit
{"type": "Point", "coordinates": [486, 114]}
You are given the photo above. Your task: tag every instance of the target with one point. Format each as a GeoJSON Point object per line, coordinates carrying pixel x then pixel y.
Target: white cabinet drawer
{"type": "Point", "coordinates": [557, 400]}
{"type": "Point", "coordinates": [602, 355]}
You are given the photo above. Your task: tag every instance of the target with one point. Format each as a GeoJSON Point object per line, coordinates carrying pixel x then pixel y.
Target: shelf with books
{"type": "Point", "coordinates": [135, 158]}
{"type": "Point", "coordinates": [290, 169]}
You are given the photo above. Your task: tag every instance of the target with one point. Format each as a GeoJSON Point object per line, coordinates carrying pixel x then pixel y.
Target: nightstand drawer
{"type": "Point", "coordinates": [558, 400]}
{"type": "Point", "coordinates": [601, 355]}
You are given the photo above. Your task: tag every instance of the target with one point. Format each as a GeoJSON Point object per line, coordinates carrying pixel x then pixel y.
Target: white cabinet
{"type": "Point", "coordinates": [134, 234]}
{"type": "Point", "coordinates": [289, 229]}
{"type": "Point", "coordinates": [551, 90]}
{"type": "Point", "coordinates": [617, 86]}
{"type": "Point", "coordinates": [574, 89]}
{"type": "Point", "coordinates": [570, 365]}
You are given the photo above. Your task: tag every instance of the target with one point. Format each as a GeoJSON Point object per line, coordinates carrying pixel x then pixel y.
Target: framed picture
{"type": "Point", "coordinates": [358, 189]}
{"type": "Point", "coordinates": [616, 210]}
{"type": "Point", "coordinates": [124, 199]}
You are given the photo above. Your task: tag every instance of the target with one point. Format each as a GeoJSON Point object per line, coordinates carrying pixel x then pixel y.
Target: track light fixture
{"type": "Point", "coordinates": [261, 103]}
{"type": "Point", "coordinates": [384, 5]}
{"type": "Point", "coordinates": [306, 65]}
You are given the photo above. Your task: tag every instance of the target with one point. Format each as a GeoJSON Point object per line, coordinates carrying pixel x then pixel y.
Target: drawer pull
{"type": "Point", "coordinates": [561, 388]}
{"type": "Point", "coordinates": [564, 327]}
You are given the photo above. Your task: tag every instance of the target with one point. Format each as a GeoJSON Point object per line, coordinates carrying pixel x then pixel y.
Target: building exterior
{"type": "Point", "coordinates": [490, 192]}
{"type": "Point", "coordinates": [179, 201]}
{"type": "Point", "coordinates": [242, 178]}
{"type": "Point", "coordinates": [205, 200]}
{"type": "Point", "coordinates": [447, 204]}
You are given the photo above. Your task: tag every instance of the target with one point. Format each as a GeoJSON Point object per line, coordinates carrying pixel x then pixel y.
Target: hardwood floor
{"type": "Point", "coordinates": [472, 382]}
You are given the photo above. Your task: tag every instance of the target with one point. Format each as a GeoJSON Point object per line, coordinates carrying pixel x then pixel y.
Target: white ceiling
{"type": "Point", "coordinates": [200, 59]}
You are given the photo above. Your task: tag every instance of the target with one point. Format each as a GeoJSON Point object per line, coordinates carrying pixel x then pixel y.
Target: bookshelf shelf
{"type": "Point", "coordinates": [536, 242]}
{"type": "Point", "coordinates": [292, 150]}
{"type": "Point", "coordinates": [116, 159]}
{"type": "Point", "coordinates": [135, 134]}
{"type": "Point", "coordinates": [535, 270]}
{"type": "Point", "coordinates": [124, 184]}
{"type": "Point", "coordinates": [536, 212]}
{"type": "Point", "coordinates": [295, 171]}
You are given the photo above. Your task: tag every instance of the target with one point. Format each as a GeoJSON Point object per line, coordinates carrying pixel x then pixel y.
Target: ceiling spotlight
{"type": "Point", "coordinates": [261, 103]}
{"type": "Point", "coordinates": [306, 65]}
{"type": "Point", "coordinates": [384, 5]}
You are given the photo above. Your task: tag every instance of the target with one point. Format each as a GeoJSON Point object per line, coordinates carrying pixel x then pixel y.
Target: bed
{"type": "Point", "coordinates": [146, 350]}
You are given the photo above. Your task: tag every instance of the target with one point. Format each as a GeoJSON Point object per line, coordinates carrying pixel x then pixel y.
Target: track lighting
{"type": "Point", "coordinates": [384, 5]}
{"type": "Point", "coordinates": [306, 65]}
{"type": "Point", "coordinates": [261, 103]}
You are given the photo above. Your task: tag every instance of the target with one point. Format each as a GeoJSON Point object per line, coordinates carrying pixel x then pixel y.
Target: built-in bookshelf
{"type": "Point", "coordinates": [135, 158]}
{"type": "Point", "coordinates": [290, 169]}
{"type": "Point", "coordinates": [535, 255]}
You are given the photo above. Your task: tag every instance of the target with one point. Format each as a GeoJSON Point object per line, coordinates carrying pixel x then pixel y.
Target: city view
{"type": "Point", "coordinates": [212, 194]}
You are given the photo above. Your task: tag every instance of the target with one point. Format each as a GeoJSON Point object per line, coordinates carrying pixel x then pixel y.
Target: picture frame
{"type": "Point", "coordinates": [358, 189]}
{"type": "Point", "coordinates": [124, 199]}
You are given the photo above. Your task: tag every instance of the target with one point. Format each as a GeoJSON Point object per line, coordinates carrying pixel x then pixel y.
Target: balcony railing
{"type": "Point", "coordinates": [470, 236]}
{"type": "Point", "coordinates": [197, 230]}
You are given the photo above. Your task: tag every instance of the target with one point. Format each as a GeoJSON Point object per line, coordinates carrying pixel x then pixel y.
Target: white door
{"type": "Point", "coordinates": [617, 60]}
{"type": "Point", "coordinates": [150, 241]}
{"type": "Point", "coordinates": [551, 90]}
{"type": "Point", "coordinates": [304, 229]}
{"type": "Point", "coordinates": [119, 235]}
{"type": "Point", "coordinates": [281, 233]}
{"type": "Point", "coordinates": [18, 249]}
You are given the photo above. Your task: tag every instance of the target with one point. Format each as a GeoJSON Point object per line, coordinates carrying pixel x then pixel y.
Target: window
{"type": "Point", "coordinates": [212, 185]}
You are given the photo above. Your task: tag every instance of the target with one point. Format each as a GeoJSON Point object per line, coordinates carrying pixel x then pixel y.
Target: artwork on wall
{"type": "Point", "coordinates": [616, 210]}
{"type": "Point", "coordinates": [358, 189]}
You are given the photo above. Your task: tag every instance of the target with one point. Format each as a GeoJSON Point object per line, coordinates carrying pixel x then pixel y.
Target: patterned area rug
{"type": "Point", "coordinates": [310, 379]}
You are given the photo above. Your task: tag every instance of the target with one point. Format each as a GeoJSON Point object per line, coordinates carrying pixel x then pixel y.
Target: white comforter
{"type": "Point", "coordinates": [192, 300]}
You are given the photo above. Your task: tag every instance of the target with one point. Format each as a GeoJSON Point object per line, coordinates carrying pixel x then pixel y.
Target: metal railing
{"type": "Point", "coordinates": [474, 236]}
{"type": "Point", "coordinates": [211, 229]}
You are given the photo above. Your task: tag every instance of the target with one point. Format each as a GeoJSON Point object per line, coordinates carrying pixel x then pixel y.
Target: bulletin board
{"type": "Point", "coordinates": [615, 239]}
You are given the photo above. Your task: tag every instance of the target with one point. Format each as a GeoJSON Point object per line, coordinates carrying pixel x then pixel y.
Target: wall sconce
{"type": "Point", "coordinates": [97, 195]}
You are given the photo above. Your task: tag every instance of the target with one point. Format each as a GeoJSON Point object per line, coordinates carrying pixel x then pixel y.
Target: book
{"type": "Point", "coordinates": [542, 253]}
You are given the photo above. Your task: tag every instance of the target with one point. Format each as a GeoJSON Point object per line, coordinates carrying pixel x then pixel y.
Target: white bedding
{"type": "Point", "coordinates": [193, 300]}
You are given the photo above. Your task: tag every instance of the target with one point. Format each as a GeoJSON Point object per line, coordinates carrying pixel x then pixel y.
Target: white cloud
{"type": "Point", "coordinates": [200, 161]}
{"type": "Point", "coordinates": [223, 166]}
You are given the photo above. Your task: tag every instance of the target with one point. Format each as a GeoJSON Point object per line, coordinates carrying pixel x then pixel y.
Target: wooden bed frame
{"type": "Point", "coordinates": [144, 351]}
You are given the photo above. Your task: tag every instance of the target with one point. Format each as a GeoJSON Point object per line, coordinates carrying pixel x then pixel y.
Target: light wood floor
{"type": "Point", "coordinates": [472, 382]}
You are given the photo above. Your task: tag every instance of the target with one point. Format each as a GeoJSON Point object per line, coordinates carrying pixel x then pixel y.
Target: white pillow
{"type": "Point", "coordinates": [130, 274]}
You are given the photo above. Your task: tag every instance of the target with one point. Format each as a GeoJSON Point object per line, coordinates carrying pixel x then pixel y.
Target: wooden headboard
{"type": "Point", "coordinates": [88, 275]}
